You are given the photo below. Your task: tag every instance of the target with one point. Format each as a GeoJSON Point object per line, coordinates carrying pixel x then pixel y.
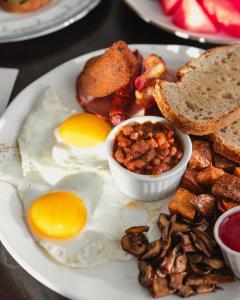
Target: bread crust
{"type": "Point", "coordinates": [193, 127]}
{"type": "Point", "coordinates": [225, 149]}
{"type": "Point", "coordinates": [28, 6]}
{"type": "Point", "coordinates": [196, 127]}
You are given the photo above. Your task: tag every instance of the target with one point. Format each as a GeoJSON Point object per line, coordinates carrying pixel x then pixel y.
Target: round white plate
{"type": "Point", "coordinates": [52, 17]}
{"type": "Point", "coordinates": [151, 12]}
{"type": "Point", "coordinates": [111, 281]}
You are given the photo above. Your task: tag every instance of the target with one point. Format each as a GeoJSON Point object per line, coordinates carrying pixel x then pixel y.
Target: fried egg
{"type": "Point", "coordinates": [79, 221]}
{"type": "Point", "coordinates": [81, 141]}
{"type": "Point", "coordinates": [56, 141]}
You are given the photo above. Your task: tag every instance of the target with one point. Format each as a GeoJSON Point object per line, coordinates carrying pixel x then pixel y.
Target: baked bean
{"type": "Point", "coordinates": [152, 144]}
{"type": "Point", "coordinates": [156, 162]}
{"type": "Point", "coordinates": [160, 169]}
{"type": "Point", "coordinates": [134, 136]}
{"type": "Point", "coordinates": [149, 155]}
{"type": "Point", "coordinates": [148, 148]}
{"type": "Point", "coordinates": [140, 147]}
{"type": "Point", "coordinates": [119, 156]}
{"type": "Point", "coordinates": [165, 152]}
{"type": "Point", "coordinates": [165, 145]}
{"type": "Point", "coordinates": [127, 130]}
{"type": "Point", "coordinates": [135, 164]}
{"type": "Point", "coordinates": [160, 138]}
{"type": "Point", "coordinates": [173, 151]}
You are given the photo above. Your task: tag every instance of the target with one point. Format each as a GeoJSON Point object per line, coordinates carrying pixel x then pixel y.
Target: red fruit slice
{"type": "Point", "coordinates": [191, 16]}
{"type": "Point", "coordinates": [226, 13]}
{"type": "Point", "coordinates": [170, 6]}
{"type": "Point", "coordinates": [236, 3]}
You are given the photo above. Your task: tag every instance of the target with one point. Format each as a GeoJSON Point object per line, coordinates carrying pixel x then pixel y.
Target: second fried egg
{"type": "Point", "coordinates": [79, 222]}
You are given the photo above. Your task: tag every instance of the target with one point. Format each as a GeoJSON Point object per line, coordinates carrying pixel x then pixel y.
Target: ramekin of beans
{"type": "Point", "coordinates": [147, 157]}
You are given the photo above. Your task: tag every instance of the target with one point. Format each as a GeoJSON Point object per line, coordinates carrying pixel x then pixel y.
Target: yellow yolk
{"type": "Point", "coordinates": [57, 215]}
{"type": "Point", "coordinates": [84, 130]}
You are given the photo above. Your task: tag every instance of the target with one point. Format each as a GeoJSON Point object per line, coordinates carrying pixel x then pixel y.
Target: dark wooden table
{"type": "Point", "coordinates": [110, 21]}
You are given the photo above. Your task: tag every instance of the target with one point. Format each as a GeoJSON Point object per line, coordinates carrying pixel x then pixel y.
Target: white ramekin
{"type": "Point", "coordinates": [232, 258]}
{"type": "Point", "coordinates": [147, 187]}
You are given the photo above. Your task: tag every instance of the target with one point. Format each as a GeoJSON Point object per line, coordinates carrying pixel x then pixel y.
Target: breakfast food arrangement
{"type": "Point", "coordinates": [145, 168]}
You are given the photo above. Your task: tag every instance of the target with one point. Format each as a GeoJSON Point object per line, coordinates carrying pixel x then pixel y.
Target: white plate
{"type": "Point", "coordinates": [151, 12]}
{"type": "Point", "coordinates": [52, 17]}
{"type": "Point", "coordinates": [112, 281]}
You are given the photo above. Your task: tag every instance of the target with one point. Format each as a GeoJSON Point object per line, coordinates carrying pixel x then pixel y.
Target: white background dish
{"type": "Point", "coordinates": [112, 281]}
{"type": "Point", "coordinates": [56, 15]}
{"type": "Point", "coordinates": [151, 12]}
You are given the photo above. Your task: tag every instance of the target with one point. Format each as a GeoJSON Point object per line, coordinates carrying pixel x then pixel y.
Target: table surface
{"type": "Point", "coordinates": [110, 21]}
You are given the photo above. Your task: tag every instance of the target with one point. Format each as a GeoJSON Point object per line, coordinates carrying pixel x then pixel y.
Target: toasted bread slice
{"type": "Point", "coordinates": [226, 141]}
{"type": "Point", "coordinates": [207, 95]}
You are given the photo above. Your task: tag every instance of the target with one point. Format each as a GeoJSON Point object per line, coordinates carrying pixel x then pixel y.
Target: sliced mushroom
{"type": "Point", "coordinates": [203, 225]}
{"type": "Point", "coordinates": [185, 291]}
{"type": "Point", "coordinates": [135, 244]}
{"type": "Point", "coordinates": [210, 279]}
{"type": "Point", "coordinates": [146, 275]}
{"type": "Point", "coordinates": [168, 261]}
{"type": "Point", "coordinates": [160, 273]}
{"type": "Point", "coordinates": [204, 204]}
{"type": "Point", "coordinates": [200, 245]}
{"type": "Point", "coordinates": [180, 227]}
{"type": "Point", "coordinates": [166, 236]}
{"type": "Point", "coordinates": [180, 264]}
{"type": "Point", "coordinates": [195, 258]}
{"type": "Point", "coordinates": [176, 280]}
{"type": "Point", "coordinates": [213, 263]}
{"type": "Point", "coordinates": [137, 229]}
{"type": "Point", "coordinates": [206, 239]}
{"type": "Point", "coordinates": [163, 220]}
{"type": "Point", "coordinates": [202, 289]}
{"type": "Point", "coordinates": [142, 265]}
{"type": "Point", "coordinates": [153, 250]}
{"type": "Point", "coordinates": [199, 268]}
{"type": "Point", "coordinates": [186, 243]}
{"type": "Point", "coordinates": [160, 288]}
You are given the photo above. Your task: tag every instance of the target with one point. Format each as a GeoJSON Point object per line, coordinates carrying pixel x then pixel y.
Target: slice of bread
{"type": "Point", "coordinates": [207, 95]}
{"type": "Point", "coordinates": [226, 141]}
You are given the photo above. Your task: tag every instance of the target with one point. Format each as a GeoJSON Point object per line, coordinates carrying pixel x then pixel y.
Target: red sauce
{"type": "Point", "coordinates": [229, 231]}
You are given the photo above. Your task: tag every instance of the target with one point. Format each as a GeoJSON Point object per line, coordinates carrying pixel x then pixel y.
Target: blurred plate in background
{"type": "Point", "coordinates": [55, 16]}
{"type": "Point", "coordinates": [151, 12]}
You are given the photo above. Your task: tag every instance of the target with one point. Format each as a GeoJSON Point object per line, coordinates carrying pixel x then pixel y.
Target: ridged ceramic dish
{"type": "Point", "coordinates": [52, 17]}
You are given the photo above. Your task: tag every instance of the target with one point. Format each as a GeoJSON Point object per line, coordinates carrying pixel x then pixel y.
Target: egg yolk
{"type": "Point", "coordinates": [57, 215]}
{"type": "Point", "coordinates": [84, 130]}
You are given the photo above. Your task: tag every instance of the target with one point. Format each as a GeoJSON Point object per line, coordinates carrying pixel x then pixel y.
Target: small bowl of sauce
{"type": "Point", "coordinates": [227, 235]}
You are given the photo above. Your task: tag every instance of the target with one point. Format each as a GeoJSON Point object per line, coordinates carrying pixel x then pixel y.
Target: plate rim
{"type": "Point", "coordinates": [187, 35]}
{"type": "Point", "coordinates": [61, 24]}
{"type": "Point", "coordinates": [28, 267]}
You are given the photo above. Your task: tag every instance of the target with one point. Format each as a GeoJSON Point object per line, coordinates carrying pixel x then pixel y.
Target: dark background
{"type": "Point", "coordinates": [110, 21]}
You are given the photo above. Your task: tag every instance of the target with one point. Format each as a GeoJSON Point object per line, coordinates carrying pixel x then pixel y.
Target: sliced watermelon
{"type": "Point", "coordinates": [224, 12]}
{"type": "Point", "coordinates": [170, 6]}
{"type": "Point", "coordinates": [191, 16]}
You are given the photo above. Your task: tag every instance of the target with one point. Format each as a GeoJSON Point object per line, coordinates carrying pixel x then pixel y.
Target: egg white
{"type": "Point", "coordinates": [42, 149]}
{"type": "Point", "coordinates": [109, 212]}
{"type": "Point", "coordinates": [67, 155]}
